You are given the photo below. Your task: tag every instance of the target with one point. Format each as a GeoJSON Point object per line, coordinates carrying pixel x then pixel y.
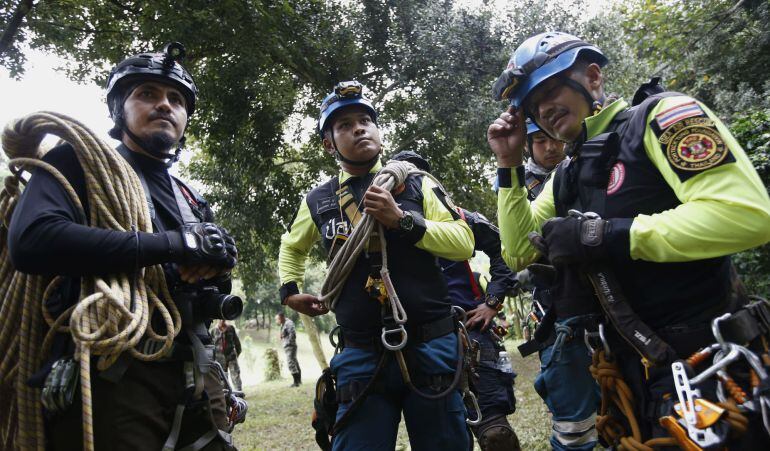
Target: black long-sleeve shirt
{"type": "Point", "coordinates": [460, 279]}
{"type": "Point", "coordinates": [48, 235]}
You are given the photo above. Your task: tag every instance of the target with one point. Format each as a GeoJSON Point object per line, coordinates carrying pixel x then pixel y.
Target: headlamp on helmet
{"type": "Point", "coordinates": [346, 93]}
{"type": "Point", "coordinates": [163, 67]}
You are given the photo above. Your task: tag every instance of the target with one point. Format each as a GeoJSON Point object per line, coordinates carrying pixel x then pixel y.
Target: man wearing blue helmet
{"type": "Point", "coordinates": [572, 406]}
{"type": "Point", "coordinates": [421, 225]}
{"type": "Point", "coordinates": [544, 154]}
{"type": "Point", "coordinates": [673, 195]}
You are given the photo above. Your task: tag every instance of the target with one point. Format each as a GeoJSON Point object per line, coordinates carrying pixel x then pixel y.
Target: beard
{"type": "Point", "coordinates": [160, 143]}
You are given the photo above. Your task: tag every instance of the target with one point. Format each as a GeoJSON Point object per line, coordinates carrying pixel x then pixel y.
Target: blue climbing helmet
{"type": "Point", "coordinates": [539, 58]}
{"type": "Point", "coordinates": [532, 128]}
{"type": "Point", "coordinates": [345, 93]}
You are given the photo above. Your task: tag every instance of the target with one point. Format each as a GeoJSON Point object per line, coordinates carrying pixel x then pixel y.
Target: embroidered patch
{"type": "Point", "coordinates": [617, 176]}
{"type": "Point", "coordinates": [672, 115]}
{"type": "Point", "coordinates": [325, 204]}
{"type": "Point", "coordinates": [693, 145]}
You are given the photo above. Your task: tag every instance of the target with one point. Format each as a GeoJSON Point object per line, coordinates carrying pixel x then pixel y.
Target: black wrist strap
{"type": "Point", "coordinates": [520, 175]}
{"type": "Point", "coordinates": [286, 290]}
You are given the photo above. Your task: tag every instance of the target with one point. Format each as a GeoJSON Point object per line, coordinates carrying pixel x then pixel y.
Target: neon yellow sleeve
{"type": "Point", "coordinates": [518, 217]}
{"type": "Point", "coordinates": [444, 236]}
{"type": "Point", "coordinates": [295, 246]}
{"type": "Point", "coordinates": [725, 209]}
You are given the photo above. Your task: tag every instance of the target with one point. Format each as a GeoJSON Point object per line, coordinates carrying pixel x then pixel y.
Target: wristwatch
{"type": "Point", "coordinates": [493, 302]}
{"type": "Point", "coordinates": [406, 222]}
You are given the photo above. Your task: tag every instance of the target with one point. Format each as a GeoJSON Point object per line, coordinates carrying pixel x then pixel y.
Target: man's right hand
{"type": "Point", "coordinates": [306, 303]}
{"type": "Point", "coordinates": [202, 244]}
{"type": "Point", "coordinates": [506, 137]}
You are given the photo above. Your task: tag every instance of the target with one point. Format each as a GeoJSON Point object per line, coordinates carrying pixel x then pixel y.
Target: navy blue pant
{"type": "Point", "coordinates": [570, 393]}
{"type": "Point", "coordinates": [431, 424]}
{"type": "Point", "coordinates": [493, 388]}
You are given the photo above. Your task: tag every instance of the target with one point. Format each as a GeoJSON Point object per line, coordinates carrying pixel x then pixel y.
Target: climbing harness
{"type": "Point", "coordinates": [394, 336]}
{"type": "Point", "coordinates": [112, 318]}
{"type": "Point", "coordinates": [694, 423]}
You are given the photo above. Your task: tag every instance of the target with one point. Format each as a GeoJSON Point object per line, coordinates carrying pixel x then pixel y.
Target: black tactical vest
{"type": "Point", "coordinates": [415, 273]}
{"type": "Point", "coordinates": [613, 176]}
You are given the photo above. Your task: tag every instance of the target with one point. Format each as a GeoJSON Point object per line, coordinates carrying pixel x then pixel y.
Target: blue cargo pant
{"type": "Point", "coordinates": [431, 424]}
{"type": "Point", "coordinates": [570, 393]}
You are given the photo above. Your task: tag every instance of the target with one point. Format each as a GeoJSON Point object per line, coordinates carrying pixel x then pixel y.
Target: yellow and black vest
{"type": "Point", "coordinates": [613, 176]}
{"type": "Point", "coordinates": [415, 273]}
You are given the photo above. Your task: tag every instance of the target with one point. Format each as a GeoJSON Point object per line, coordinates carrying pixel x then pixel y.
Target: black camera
{"type": "Point", "coordinates": [208, 303]}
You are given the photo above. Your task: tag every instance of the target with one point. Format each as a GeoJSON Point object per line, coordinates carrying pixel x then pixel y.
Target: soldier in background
{"type": "Point", "coordinates": [289, 342]}
{"type": "Point", "coordinates": [227, 348]}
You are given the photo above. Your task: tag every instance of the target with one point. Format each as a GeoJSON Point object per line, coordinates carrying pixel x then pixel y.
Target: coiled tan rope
{"type": "Point", "coordinates": [393, 174]}
{"type": "Point", "coordinates": [105, 322]}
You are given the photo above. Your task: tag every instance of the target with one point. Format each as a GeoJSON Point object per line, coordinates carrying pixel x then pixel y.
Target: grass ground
{"type": "Point", "coordinates": [279, 416]}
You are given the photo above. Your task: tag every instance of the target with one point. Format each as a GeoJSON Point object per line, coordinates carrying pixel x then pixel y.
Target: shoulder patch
{"type": "Point", "coordinates": [325, 204]}
{"type": "Point", "coordinates": [672, 115]}
{"type": "Point", "coordinates": [693, 145]}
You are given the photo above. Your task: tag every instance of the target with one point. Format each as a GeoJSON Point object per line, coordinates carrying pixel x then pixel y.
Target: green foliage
{"type": "Point", "coordinates": [263, 66]}
{"type": "Point", "coordinates": [715, 50]}
{"type": "Point", "coordinates": [753, 132]}
{"type": "Point", "coordinates": [272, 365]}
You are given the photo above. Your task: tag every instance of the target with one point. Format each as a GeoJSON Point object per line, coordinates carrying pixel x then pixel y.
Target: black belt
{"type": "Point", "coordinates": [742, 327]}
{"type": "Point", "coordinates": [416, 334]}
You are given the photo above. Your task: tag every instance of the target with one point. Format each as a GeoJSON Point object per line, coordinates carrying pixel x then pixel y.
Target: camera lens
{"type": "Point", "coordinates": [230, 306]}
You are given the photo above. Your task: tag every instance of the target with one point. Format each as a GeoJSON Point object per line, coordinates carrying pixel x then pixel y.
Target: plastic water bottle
{"type": "Point", "coordinates": [504, 362]}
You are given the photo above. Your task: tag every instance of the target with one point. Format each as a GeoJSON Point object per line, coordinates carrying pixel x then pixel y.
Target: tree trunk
{"type": "Point", "coordinates": [315, 340]}
{"type": "Point", "coordinates": [8, 35]}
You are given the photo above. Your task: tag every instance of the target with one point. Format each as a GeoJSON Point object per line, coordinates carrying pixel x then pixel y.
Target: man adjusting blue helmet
{"type": "Point", "coordinates": [639, 225]}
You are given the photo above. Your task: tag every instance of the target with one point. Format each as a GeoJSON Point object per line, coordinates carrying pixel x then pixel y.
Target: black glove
{"type": "Point", "coordinates": [201, 244]}
{"type": "Point", "coordinates": [232, 251]}
{"type": "Point", "coordinates": [572, 240]}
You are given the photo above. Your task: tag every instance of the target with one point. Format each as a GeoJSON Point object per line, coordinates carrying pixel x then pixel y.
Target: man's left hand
{"type": "Point", "coordinates": [572, 240]}
{"type": "Point", "coordinates": [481, 316]}
{"type": "Point", "coordinates": [379, 203]}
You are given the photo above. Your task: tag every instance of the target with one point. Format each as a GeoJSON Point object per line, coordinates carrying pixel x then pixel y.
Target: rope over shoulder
{"type": "Point", "coordinates": [106, 322]}
{"type": "Point", "coordinates": [393, 174]}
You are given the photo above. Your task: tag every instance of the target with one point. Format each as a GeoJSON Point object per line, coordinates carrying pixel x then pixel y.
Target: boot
{"type": "Point", "coordinates": [297, 380]}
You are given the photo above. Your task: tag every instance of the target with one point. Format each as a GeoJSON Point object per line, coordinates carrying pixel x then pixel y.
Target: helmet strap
{"type": "Point", "coordinates": [583, 91]}
{"type": "Point", "coordinates": [368, 163]}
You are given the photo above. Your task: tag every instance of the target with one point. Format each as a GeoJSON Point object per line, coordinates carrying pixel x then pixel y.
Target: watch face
{"type": "Point", "coordinates": [406, 222]}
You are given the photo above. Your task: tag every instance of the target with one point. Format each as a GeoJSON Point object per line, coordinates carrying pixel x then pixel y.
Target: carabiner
{"type": "Point", "coordinates": [385, 333]}
{"type": "Point", "coordinates": [476, 407]}
{"type": "Point", "coordinates": [718, 333]}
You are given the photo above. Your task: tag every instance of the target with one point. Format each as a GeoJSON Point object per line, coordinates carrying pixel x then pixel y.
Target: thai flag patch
{"type": "Point", "coordinates": [677, 113]}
